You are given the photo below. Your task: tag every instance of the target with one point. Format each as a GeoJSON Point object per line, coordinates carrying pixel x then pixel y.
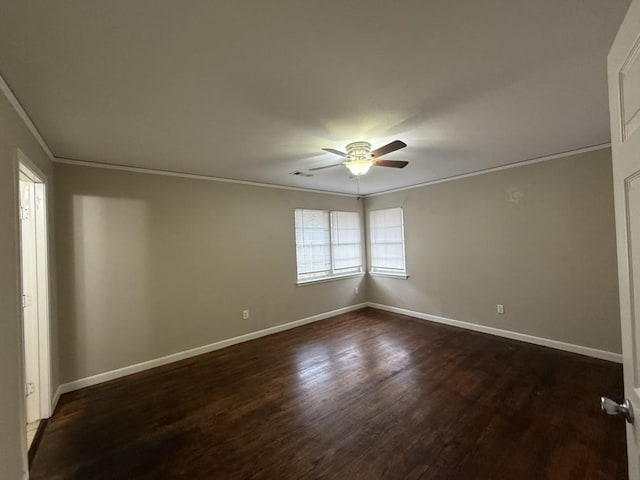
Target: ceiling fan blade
{"type": "Point", "coordinates": [391, 163]}
{"type": "Point", "coordinates": [326, 166]}
{"type": "Point", "coordinates": [336, 152]}
{"type": "Point", "coordinates": [388, 148]}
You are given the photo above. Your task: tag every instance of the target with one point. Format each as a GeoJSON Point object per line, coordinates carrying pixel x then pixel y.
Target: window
{"type": "Point", "coordinates": [346, 249]}
{"type": "Point", "coordinates": [387, 242]}
{"type": "Point", "coordinates": [328, 244]}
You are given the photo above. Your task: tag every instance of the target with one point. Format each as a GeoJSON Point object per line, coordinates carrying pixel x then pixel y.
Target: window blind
{"type": "Point", "coordinates": [346, 242]}
{"type": "Point", "coordinates": [313, 243]}
{"type": "Point", "coordinates": [387, 241]}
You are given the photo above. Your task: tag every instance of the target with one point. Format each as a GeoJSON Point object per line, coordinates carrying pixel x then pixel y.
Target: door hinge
{"type": "Point", "coordinates": [29, 389]}
{"type": "Point", "coordinates": [26, 300]}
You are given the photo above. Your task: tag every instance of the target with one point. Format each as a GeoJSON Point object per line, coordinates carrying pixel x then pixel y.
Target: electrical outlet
{"type": "Point", "coordinates": [356, 290]}
{"type": "Point", "coordinates": [245, 314]}
{"type": "Point", "coordinates": [500, 309]}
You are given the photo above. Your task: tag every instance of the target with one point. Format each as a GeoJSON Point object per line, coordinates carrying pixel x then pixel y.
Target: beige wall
{"type": "Point", "coordinates": [151, 265]}
{"type": "Point", "coordinates": [14, 135]}
{"type": "Point", "coordinates": [548, 256]}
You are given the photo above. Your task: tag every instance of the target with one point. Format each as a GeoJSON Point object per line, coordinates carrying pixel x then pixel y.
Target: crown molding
{"type": "Point", "coordinates": [169, 173]}
{"type": "Point", "coordinates": [8, 93]}
{"type": "Point", "coordinates": [4, 87]}
{"type": "Point", "coordinates": [521, 163]}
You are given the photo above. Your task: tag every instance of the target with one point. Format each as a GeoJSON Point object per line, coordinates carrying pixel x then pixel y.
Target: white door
{"type": "Point", "coordinates": [29, 298]}
{"type": "Point", "coordinates": [624, 105]}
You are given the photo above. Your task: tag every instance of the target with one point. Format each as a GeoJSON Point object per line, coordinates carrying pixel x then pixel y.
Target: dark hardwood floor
{"type": "Point", "coordinates": [365, 395]}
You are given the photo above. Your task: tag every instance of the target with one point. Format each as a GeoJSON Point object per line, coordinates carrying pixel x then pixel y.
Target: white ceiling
{"type": "Point", "coordinates": [253, 89]}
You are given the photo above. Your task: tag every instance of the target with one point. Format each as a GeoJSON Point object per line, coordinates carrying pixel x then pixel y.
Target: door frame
{"type": "Point", "coordinates": [25, 166]}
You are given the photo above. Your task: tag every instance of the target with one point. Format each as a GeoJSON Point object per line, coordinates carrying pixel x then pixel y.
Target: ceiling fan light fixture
{"type": "Point", "coordinates": [359, 166]}
{"type": "Point", "coordinates": [360, 160]}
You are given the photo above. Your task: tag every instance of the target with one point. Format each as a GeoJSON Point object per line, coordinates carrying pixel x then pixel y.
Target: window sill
{"type": "Point", "coordinates": [302, 283]}
{"type": "Point", "coordinates": [402, 276]}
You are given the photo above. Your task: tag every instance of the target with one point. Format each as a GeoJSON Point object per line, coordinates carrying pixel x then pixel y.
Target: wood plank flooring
{"type": "Point", "coordinates": [365, 395]}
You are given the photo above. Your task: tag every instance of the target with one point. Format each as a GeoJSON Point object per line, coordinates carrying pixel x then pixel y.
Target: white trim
{"type": "Point", "coordinates": [41, 182]}
{"type": "Point", "coordinates": [153, 171]}
{"type": "Point", "coordinates": [22, 411]}
{"type": "Point", "coordinates": [545, 342]}
{"type": "Point", "coordinates": [402, 276]}
{"type": "Point", "coordinates": [522, 163]}
{"type": "Point", "coordinates": [174, 357]}
{"type": "Point", "coordinates": [109, 166]}
{"type": "Point", "coordinates": [33, 172]}
{"type": "Point", "coordinates": [122, 372]}
{"type": "Point", "coordinates": [56, 399]}
{"type": "Point", "coordinates": [44, 305]}
{"type": "Point", "coordinates": [331, 278]}
{"type": "Point", "coordinates": [24, 116]}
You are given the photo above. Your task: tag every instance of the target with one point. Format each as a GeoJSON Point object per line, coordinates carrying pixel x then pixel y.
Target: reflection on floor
{"type": "Point", "coordinates": [32, 428]}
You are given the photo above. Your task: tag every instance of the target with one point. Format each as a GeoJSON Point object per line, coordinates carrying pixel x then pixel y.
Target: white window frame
{"type": "Point", "coordinates": [385, 271]}
{"type": "Point", "coordinates": [332, 273]}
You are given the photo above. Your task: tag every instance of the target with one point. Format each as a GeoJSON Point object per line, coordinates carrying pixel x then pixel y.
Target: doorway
{"type": "Point", "coordinates": [34, 294]}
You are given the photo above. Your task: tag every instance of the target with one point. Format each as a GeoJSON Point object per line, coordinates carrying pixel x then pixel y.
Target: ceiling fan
{"type": "Point", "coordinates": [359, 157]}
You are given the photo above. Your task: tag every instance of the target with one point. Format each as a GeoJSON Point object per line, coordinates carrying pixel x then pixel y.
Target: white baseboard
{"type": "Point", "coordinates": [545, 342]}
{"type": "Point", "coordinates": [157, 362]}
{"type": "Point", "coordinates": [56, 398]}
{"type": "Point", "coordinates": [174, 357]}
